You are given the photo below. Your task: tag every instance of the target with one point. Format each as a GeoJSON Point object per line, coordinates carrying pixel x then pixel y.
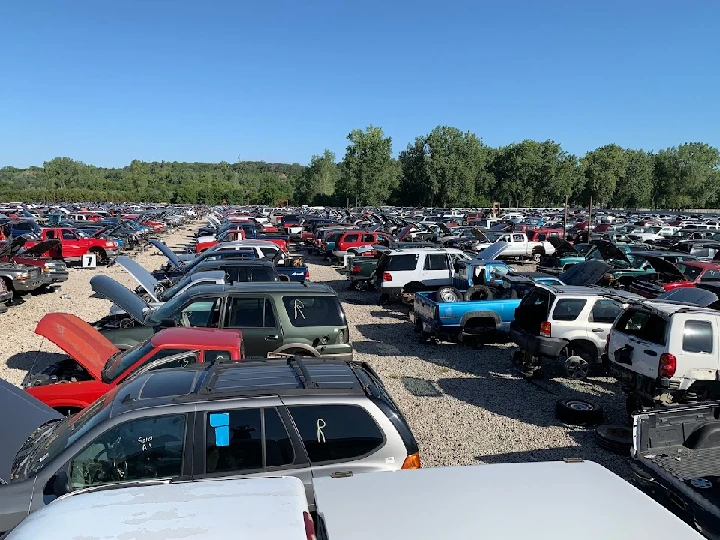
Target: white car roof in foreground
{"type": "Point", "coordinates": [249, 508]}
{"type": "Point", "coordinates": [509, 501]}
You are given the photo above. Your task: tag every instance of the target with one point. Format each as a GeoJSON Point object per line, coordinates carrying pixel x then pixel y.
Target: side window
{"type": "Point", "coordinates": [50, 235]}
{"type": "Point", "coordinates": [436, 261]}
{"type": "Point", "coordinates": [518, 238]}
{"type": "Point", "coordinates": [336, 432]}
{"type": "Point", "coordinates": [541, 237]}
{"type": "Point", "coordinates": [143, 449]}
{"type": "Point", "coordinates": [250, 312]}
{"type": "Point", "coordinates": [234, 441]}
{"type": "Point", "coordinates": [568, 310]}
{"type": "Point", "coordinates": [351, 238]}
{"type": "Point", "coordinates": [203, 312]}
{"type": "Point", "coordinates": [697, 337]}
{"type": "Point", "coordinates": [711, 275]}
{"type": "Point", "coordinates": [605, 311]}
{"type": "Point", "coordinates": [236, 274]}
{"type": "Point", "coordinates": [401, 262]}
{"type": "Point", "coordinates": [68, 235]}
{"type": "Point", "coordinates": [368, 238]}
{"type": "Point", "coordinates": [217, 356]}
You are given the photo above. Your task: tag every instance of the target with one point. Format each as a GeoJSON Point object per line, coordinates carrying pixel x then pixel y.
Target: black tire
{"type": "Point", "coordinates": [479, 292]}
{"type": "Point", "coordinates": [448, 294]}
{"type": "Point", "coordinates": [614, 438]}
{"type": "Point", "coordinates": [577, 360]}
{"type": "Point", "coordinates": [578, 412]}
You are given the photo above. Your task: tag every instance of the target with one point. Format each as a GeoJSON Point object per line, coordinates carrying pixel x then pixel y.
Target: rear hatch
{"type": "Point", "coordinates": [533, 310]}
{"type": "Point", "coordinates": [637, 340]}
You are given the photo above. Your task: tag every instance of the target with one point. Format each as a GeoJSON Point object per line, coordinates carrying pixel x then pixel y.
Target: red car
{"type": "Point", "coordinates": [95, 365]}
{"type": "Point", "coordinates": [687, 275]}
{"type": "Point", "coordinates": [72, 246]}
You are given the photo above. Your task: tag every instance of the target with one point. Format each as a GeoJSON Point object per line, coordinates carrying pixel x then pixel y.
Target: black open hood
{"type": "Point", "coordinates": [703, 297]}
{"type": "Point", "coordinates": [13, 246]}
{"type": "Point", "coordinates": [561, 246]}
{"type": "Point", "coordinates": [585, 273]}
{"type": "Point", "coordinates": [610, 251]}
{"type": "Point", "coordinates": [42, 247]}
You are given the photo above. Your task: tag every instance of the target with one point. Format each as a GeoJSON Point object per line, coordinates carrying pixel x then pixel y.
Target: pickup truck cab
{"type": "Point", "coordinates": [73, 246]}
{"type": "Point", "coordinates": [407, 271]}
{"type": "Point", "coordinates": [354, 239]}
{"type": "Point", "coordinates": [519, 247]}
{"type": "Point", "coordinates": [94, 365]}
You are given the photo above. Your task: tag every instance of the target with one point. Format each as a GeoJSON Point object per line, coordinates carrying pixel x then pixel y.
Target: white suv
{"type": "Point", "coordinates": [411, 270]}
{"type": "Point", "coordinates": [664, 352]}
{"type": "Point", "coordinates": [566, 323]}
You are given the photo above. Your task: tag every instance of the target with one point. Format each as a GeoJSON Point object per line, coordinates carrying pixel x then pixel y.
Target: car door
{"type": "Point", "coordinates": [637, 341]}
{"type": "Point", "coordinates": [600, 320]}
{"type": "Point", "coordinates": [259, 440]}
{"type": "Point", "coordinates": [70, 244]}
{"type": "Point", "coordinates": [436, 269]}
{"type": "Point", "coordinates": [254, 315]}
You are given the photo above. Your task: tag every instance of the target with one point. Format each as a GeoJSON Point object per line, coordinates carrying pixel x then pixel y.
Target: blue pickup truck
{"type": "Point", "coordinates": [473, 321]}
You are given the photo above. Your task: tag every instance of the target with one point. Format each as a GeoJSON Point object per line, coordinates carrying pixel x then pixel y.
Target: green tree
{"type": "Point", "coordinates": [604, 170]}
{"type": "Point", "coordinates": [317, 182]}
{"type": "Point", "coordinates": [61, 173]}
{"type": "Point", "coordinates": [635, 191]}
{"type": "Point", "coordinates": [369, 172]}
{"type": "Point", "coordinates": [686, 176]}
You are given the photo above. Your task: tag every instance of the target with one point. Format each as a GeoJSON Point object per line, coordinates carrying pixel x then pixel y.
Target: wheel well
{"type": "Point", "coordinates": [413, 286]}
{"type": "Point", "coordinates": [588, 346]}
{"type": "Point", "coordinates": [297, 348]}
{"type": "Point", "coordinates": [8, 283]}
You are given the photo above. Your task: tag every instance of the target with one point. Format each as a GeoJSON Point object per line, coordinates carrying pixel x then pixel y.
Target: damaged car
{"type": "Point", "coordinates": [53, 270]}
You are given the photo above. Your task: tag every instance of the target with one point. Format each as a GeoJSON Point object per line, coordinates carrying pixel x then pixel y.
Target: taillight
{"type": "Point", "coordinates": [309, 526]}
{"type": "Point", "coordinates": [387, 276]}
{"type": "Point", "coordinates": [545, 329]}
{"type": "Point", "coordinates": [412, 461]}
{"type": "Point", "coordinates": [355, 269]}
{"type": "Point", "coordinates": [307, 274]}
{"type": "Point", "coordinates": [667, 365]}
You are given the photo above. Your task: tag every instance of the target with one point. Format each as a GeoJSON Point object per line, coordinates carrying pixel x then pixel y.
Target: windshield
{"type": "Point", "coordinates": [690, 272]}
{"type": "Point", "coordinates": [51, 439]}
{"type": "Point", "coordinates": [172, 291]}
{"type": "Point", "coordinates": [119, 362]}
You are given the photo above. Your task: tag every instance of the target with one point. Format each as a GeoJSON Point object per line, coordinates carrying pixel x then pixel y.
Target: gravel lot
{"type": "Point", "coordinates": [470, 406]}
{"type": "Point", "coordinates": [465, 406]}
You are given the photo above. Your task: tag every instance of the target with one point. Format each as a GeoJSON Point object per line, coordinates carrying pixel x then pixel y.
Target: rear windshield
{"type": "Point", "coordinates": [401, 262]}
{"type": "Point", "coordinates": [643, 325]}
{"type": "Point", "coordinates": [306, 311]}
{"type": "Point", "coordinates": [690, 272]}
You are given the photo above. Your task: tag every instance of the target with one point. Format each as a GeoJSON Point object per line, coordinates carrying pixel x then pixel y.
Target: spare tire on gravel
{"type": "Point", "coordinates": [479, 292]}
{"type": "Point", "coordinates": [448, 294]}
{"type": "Point", "coordinates": [615, 438]}
{"type": "Point", "coordinates": [578, 412]}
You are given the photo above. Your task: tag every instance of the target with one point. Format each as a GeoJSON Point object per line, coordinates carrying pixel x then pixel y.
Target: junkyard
{"type": "Point", "coordinates": [484, 359]}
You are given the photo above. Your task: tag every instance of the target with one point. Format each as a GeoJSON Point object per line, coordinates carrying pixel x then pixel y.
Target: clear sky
{"type": "Point", "coordinates": [279, 80]}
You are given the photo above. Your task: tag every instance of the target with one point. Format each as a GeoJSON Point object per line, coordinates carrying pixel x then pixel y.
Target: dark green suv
{"type": "Point", "coordinates": [277, 317]}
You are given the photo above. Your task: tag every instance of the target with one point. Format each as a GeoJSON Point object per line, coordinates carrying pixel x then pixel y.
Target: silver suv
{"type": "Point", "coordinates": [566, 323]}
{"type": "Point", "coordinates": [302, 417]}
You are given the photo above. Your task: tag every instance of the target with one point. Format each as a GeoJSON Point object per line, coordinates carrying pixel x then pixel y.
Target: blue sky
{"type": "Point", "coordinates": [106, 82]}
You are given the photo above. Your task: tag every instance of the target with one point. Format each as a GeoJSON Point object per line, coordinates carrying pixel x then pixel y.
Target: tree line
{"type": "Point", "coordinates": [445, 168]}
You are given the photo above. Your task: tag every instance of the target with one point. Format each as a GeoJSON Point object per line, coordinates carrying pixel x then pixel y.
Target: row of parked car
{"type": "Point", "coordinates": [254, 376]}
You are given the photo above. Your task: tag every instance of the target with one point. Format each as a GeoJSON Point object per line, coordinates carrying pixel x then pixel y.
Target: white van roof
{"type": "Point", "coordinates": [509, 501]}
{"type": "Point", "coordinates": [237, 509]}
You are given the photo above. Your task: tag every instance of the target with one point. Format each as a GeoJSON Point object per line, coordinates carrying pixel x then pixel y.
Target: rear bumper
{"type": "Point", "coordinates": [547, 347]}
{"type": "Point", "coordinates": [650, 388]}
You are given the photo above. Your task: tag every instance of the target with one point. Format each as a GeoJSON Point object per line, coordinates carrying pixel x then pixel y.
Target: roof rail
{"type": "Point", "coordinates": [304, 373]}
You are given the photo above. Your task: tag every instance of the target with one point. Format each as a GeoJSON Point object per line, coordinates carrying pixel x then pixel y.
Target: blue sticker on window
{"type": "Point", "coordinates": [221, 423]}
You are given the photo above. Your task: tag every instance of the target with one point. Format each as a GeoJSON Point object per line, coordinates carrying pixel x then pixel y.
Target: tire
{"type": "Point", "coordinates": [479, 292]}
{"type": "Point", "coordinates": [577, 361]}
{"type": "Point", "coordinates": [448, 294]}
{"type": "Point", "coordinates": [614, 438]}
{"type": "Point", "coordinates": [102, 257]}
{"type": "Point", "coordinates": [578, 412]}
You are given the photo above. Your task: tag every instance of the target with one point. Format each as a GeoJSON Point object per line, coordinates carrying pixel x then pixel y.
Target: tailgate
{"type": "Point", "coordinates": [424, 306]}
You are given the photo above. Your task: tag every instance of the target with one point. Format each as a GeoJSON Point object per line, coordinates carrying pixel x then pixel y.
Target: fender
{"type": "Point", "coordinates": [303, 346]}
{"type": "Point", "coordinates": [480, 315]}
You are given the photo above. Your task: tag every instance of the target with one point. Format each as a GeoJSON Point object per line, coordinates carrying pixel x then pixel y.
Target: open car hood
{"type": "Point", "coordinates": [610, 251]}
{"type": "Point", "coordinates": [172, 257]}
{"type": "Point", "coordinates": [41, 248]}
{"type": "Point", "coordinates": [661, 266]}
{"type": "Point", "coordinates": [142, 276]}
{"type": "Point", "coordinates": [585, 273]}
{"type": "Point", "coordinates": [561, 246]}
{"type": "Point", "coordinates": [404, 232]}
{"type": "Point", "coordinates": [23, 414]}
{"type": "Point", "coordinates": [691, 295]}
{"type": "Point", "coordinates": [13, 247]}
{"type": "Point", "coordinates": [492, 252]}
{"type": "Point", "coordinates": [121, 296]}
{"type": "Point", "coordinates": [78, 339]}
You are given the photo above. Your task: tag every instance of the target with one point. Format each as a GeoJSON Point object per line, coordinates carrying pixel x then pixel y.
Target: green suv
{"type": "Point", "coordinates": [282, 317]}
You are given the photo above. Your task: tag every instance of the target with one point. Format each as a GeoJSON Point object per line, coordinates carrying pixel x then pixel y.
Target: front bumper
{"type": "Point", "coordinates": [28, 285]}
{"type": "Point", "coordinates": [540, 346]}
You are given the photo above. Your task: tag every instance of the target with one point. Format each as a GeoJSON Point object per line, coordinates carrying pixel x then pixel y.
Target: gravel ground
{"type": "Point", "coordinates": [470, 406]}
{"type": "Point", "coordinates": [465, 406]}
{"type": "Point", "coordinates": [25, 350]}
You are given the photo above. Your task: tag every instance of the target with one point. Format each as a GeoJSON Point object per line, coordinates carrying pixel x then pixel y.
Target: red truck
{"type": "Point", "coordinates": [73, 246]}
{"type": "Point", "coordinates": [95, 365]}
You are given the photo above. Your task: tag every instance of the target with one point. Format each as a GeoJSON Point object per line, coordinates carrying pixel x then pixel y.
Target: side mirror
{"type": "Point", "coordinates": [58, 485]}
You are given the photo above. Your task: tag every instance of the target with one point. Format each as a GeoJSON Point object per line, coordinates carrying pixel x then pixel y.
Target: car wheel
{"type": "Point", "coordinates": [536, 257]}
{"type": "Point", "coordinates": [478, 292]}
{"type": "Point", "coordinates": [448, 294]}
{"type": "Point", "coordinates": [576, 360]}
{"type": "Point", "coordinates": [578, 412]}
{"type": "Point", "coordinates": [615, 438]}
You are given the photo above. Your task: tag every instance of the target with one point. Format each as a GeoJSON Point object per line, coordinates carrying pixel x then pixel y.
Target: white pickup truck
{"type": "Point", "coordinates": [519, 247]}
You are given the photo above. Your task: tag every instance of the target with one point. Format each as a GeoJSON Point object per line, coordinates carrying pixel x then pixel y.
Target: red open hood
{"type": "Point", "coordinates": [81, 341]}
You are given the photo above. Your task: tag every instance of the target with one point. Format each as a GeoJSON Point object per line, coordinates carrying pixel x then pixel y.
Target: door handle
{"type": "Point", "coordinates": [650, 352]}
{"type": "Point", "coordinates": [272, 337]}
{"type": "Point", "coordinates": [341, 474]}
{"type": "Point", "coordinates": [598, 330]}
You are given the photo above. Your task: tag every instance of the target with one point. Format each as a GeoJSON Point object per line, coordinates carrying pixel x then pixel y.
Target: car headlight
{"type": "Point", "coordinates": [23, 277]}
